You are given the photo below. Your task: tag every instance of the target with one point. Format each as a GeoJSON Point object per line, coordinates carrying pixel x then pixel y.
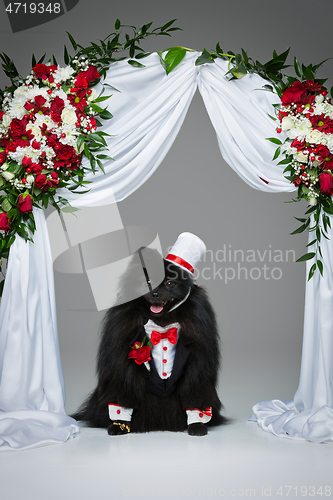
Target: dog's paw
{"type": "Point", "coordinates": [119, 427]}
{"type": "Point", "coordinates": [197, 429]}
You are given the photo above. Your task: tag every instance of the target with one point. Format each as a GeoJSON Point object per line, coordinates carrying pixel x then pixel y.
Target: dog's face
{"type": "Point", "coordinates": [174, 288]}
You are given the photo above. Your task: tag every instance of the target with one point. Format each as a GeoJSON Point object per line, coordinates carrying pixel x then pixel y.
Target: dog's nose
{"type": "Point", "coordinates": [155, 295]}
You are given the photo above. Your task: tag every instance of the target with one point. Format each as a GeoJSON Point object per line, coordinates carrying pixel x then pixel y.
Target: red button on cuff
{"type": "Point", "coordinates": [200, 415]}
{"type": "Point", "coordinates": [118, 411]}
{"type": "Point", "coordinates": [164, 361]}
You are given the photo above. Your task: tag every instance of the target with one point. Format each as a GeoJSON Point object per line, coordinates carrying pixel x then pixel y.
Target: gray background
{"type": "Point", "coordinates": [194, 190]}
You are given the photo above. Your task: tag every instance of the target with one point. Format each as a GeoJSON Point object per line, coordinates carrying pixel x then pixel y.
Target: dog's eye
{"type": "Point", "coordinates": [169, 284]}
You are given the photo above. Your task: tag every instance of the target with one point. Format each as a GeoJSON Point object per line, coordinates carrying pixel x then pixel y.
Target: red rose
{"type": "Point", "coordinates": [25, 203]}
{"type": "Point", "coordinates": [140, 355]}
{"type": "Point", "coordinates": [1, 114]}
{"type": "Point", "coordinates": [326, 183]}
{"type": "Point", "coordinates": [65, 152]}
{"type": "Point", "coordinates": [91, 74]}
{"type": "Point", "coordinates": [4, 222]}
{"type": "Point", "coordinates": [40, 181]}
{"type": "Point", "coordinates": [294, 94]}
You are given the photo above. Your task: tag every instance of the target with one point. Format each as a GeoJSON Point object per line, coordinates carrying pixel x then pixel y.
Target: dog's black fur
{"type": "Point", "coordinates": [159, 405]}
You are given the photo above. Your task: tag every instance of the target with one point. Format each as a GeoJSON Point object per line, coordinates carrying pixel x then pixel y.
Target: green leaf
{"type": "Point", "coordinates": [274, 140]}
{"type": "Point", "coordinates": [14, 168]}
{"type": "Point", "coordinates": [105, 114]}
{"type": "Point", "coordinates": [276, 154]}
{"type": "Point", "coordinates": [68, 209]}
{"type": "Point", "coordinates": [311, 209]}
{"type": "Point", "coordinates": [311, 243]}
{"type": "Point", "coordinates": [167, 25]}
{"type": "Point", "coordinates": [298, 69]}
{"type": "Point", "coordinates": [135, 63]}
{"type": "Point", "coordinates": [117, 25]}
{"type": "Point", "coordinates": [299, 229]}
{"type": "Point", "coordinates": [239, 71]}
{"type": "Point", "coordinates": [285, 161]}
{"type": "Point", "coordinates": [80, 141]}
{"type": "Point", "coordinates": [204, 58]}
{"type": "Point", "coordinates": [103, 98]}
{"type": "Point", "coordinates": [312, 271]}
{"type": "Point", "coordinates": [173, 57]}
{"type": "Point", "coordinates": [307, 256]}
{"type": "Point", "coordinates": [6, 205]}
{"type": "Point", "coordinates": [66, 56]}
{"type": "Point", "coordinates": [73, 42]}
{"type": "Point", "coordinates": [320, 266]}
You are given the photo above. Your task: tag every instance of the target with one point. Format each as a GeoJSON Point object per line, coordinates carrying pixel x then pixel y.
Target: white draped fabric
{"type": "Point", "coordinates": [149, 110]}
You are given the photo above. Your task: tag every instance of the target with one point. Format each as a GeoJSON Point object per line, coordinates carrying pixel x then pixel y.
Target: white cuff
{"type": "Point", "coordinates": [117, 412]}
{"type": "Point", "coordinates": [194, 415]}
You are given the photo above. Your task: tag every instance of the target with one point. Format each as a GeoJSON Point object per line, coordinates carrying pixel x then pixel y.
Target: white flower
{"type": "Point", "coordinates": [93, 95]}
{"type": "Point", "coordinates": [319, 98]}
{"type": "Point", "coordinates": [314, 137]}
{"type": "Point", "coordinates": [30, 178]}
{"type": "Point", "coordinates": [287, 123]}
{"type": "Point", "coordinates": [35, 130]}
{"type": "Point", "coordinates": [68, 115]}
{"type": "Point", "coordinates": [302, 157]}
{"type": "Point", "coordinates": [8, 175]}
{"type": "Point", "coordinates": [63, 74]}
{"type": "Point", "coordinates": [23, 90]}
{"type": "Point", "coordinates": [6, 120]}
{"type": "Point", "coordinates": [313, 201]}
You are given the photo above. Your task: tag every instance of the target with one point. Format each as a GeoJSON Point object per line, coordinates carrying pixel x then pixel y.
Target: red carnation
{"type": "Point", "coordinates": [54, 181]}
{"type": "Point", "coordinates": [56, 117]}
{"type": "Point", "coordinates": [36, 169]}
{"type": "Point", "coordinates": [78, 100]}
{"type": "Point", "coordinates": [80, 83]}
{"type": "Point", "coordinates": [57, 105]}
{"type": "Point", "coordinates": [322, 123]}
{"type": "Point", "coordinates": [25, 203]}
{"type": "Point", "coordinates": [91, 74]}
{"type": "Point", "coordinates": [41, 70]}
{"type": "Point", "coordinates": [294, 94]}
{"type": "Point", "coordinates": [4, 222]}
{"type": "Point", "coordinates": [312, 86]}
{"type": "Point", "coordinates": [326, 183]}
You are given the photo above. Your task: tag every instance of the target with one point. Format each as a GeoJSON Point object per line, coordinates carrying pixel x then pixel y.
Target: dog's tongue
{"type": "Point", "coordinates": [156, 308]}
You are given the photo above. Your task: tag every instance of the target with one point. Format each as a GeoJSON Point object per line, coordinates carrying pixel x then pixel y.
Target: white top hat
{"type": "Point", "coordinates": [187, 251]}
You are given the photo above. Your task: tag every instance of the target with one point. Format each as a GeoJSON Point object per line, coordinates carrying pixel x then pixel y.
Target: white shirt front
{"type": "Point", "coordinates": [164, 352]}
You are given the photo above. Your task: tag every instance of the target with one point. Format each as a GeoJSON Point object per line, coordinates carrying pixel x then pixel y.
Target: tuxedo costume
{"type": "Point", "coordinates": [159, 355]}
{"type": "Point", "coordinates": [157, 403]}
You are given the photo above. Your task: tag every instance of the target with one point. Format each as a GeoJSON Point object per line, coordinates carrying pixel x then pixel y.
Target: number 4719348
{"type": "Point", "coordinates": [33, 8]}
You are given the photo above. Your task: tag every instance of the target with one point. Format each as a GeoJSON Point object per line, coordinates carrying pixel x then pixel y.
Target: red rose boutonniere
{"type": "Point", "coordinates": [141, 353]}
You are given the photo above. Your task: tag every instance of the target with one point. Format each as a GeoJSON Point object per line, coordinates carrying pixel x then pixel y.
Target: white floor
{"type": "Point", "coordinates": [238, 460]}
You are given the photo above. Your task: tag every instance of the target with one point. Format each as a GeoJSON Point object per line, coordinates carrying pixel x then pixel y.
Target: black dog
{"type": "Point", "coordinates": [158, 404]}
